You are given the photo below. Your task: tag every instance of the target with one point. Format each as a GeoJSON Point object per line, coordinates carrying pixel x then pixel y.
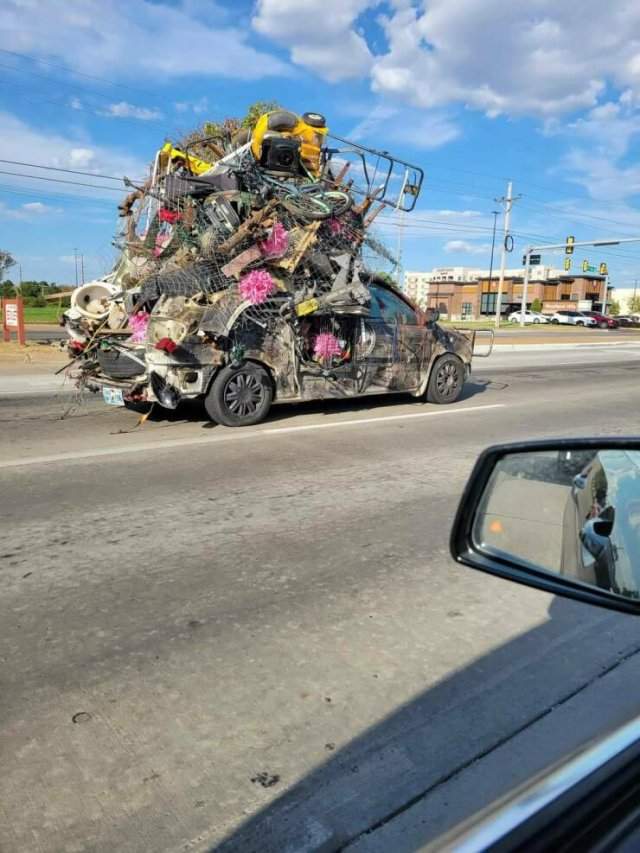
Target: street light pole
{"type": "Point", "coordinates": [508, 203]}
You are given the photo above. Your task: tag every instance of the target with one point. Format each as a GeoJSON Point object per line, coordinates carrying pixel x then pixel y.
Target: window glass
{"type": "Point", "coordinates": [390, 307]}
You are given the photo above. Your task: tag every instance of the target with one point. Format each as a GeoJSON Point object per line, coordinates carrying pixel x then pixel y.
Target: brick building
{"type": "Point", "coordinates": [476, 299]}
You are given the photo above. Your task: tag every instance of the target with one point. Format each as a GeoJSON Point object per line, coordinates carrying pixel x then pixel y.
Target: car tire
{"type": "Point", "coordinates": [240, 396]}
{"type": "Point", "coordinates": [536, 320]}
{"type": "Point", "coordinates": [555, 322]}
{"type": "Point", "coordinates": [446, 380]}
{"type": "Point", "coordinates": [579, 323]}
{"type": "Point", "coordinates": [603, 325]}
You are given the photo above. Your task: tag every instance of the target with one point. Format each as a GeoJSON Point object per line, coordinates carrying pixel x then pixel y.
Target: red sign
{"type": "Point", "coordinates": [13, 320]}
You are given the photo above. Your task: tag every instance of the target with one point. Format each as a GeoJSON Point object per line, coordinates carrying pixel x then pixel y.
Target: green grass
{"type": "Point", "coordinates": [49, 314]}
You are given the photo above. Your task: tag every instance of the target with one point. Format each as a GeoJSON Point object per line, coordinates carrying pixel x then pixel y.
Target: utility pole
{"type": "Point", "coordinates": [82, 268]}
{"type": "Point", "coordinates": [507, 201]}
{"type": "Point", "coordinates": [75, 261]}
{"type": "Point", "coordinates": [493, 245]}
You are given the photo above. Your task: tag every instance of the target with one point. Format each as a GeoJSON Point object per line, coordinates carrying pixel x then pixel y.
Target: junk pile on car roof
{"type": "Point", "coordinates": [226, 237]}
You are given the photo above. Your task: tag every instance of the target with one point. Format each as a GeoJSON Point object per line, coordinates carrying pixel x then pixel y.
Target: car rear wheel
{"type": "Point", "coordinates": [604, 325]}
{"type": "Point", "coordinates": [240, 396]}
{"type": "Point", "coordinates": [536, 320]}
{"type": "Point", "coordinates": [579, 323]}
{"type": "Point", "coordinates": [555, 322]}
{"type": "Point", "coordinates": [446, 380]}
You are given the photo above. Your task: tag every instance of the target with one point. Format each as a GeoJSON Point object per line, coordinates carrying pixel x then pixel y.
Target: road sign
{"type": "Point", "coordinates": [603, 269]}
{"type": "Point", "coordinates": [569, 244]}
{"type": "Point", "coordinates": [567, 264]}
{"type": "Point", "coordinates": [534, 260]}
{"type": "Point", "coordinates": [13, 319]}
{"type": "Point", "coordinates": [587, 267]}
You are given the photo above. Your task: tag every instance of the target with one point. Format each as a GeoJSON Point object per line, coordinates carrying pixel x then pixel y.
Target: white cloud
{"type": "Point", "coordinates": [539, 59]}
{"type": "Point", "coordinates": [390, 124]}
{"type": "Point", "coordinates": [319, 36]}
{"type": "Point", "coordinates": [121, 39]}
{"type": "Point", "coordinates": [197, 107]}
{"type": "Point", "coordinates": [123, 109]}
{"type": "Point", "coordinates": [75, 104]}
{"type": "Point", "coordinates": [463, 247]}
{"type": "Point", "coordinates": [28, 212]}
{"type": "Point", "coordinates": [600, 142]}
{"type": "Point", "coordinates": [29, 144]}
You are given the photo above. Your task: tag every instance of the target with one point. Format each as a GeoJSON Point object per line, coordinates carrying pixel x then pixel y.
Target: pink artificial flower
{"type": "Point", "coordinates": [138, 323]}
{"type": "Point", "coordinates": [256, 286]}
{"type": "Point", "coordinates": [325, 346]}
{"type": "Point", "coordinates": [277, 243]}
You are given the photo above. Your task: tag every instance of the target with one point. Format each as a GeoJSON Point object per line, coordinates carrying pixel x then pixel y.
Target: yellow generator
{"type": "Point", "coordinates": [285, 142]}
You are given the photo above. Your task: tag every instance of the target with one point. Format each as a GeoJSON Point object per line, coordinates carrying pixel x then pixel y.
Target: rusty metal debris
{"type": "Point", "coordinates": [249, 274]}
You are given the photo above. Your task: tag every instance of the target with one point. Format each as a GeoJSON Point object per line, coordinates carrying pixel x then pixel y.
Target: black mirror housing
{"type": "Point", "coordinates": [517, 564]}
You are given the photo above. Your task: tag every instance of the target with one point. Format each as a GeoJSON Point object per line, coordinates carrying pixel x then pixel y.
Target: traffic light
{"type": "Point", "coordinates": [568, 249]}
{"type": "Point", "coordinates": [603, 269]}
{"type": "Point", "coordinates": [567, 264]}
{"type": "Point", "coordinates": [585, 266]}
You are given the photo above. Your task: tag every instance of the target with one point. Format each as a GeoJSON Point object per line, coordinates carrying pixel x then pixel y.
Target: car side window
{"type": "Point", "coordinates": [390, 307]}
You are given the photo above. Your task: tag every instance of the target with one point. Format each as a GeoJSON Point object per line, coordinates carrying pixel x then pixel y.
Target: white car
{"type": "Point", "coordinates": [529, 317]}
{"type": "Point", "coordinates": [573, 318]}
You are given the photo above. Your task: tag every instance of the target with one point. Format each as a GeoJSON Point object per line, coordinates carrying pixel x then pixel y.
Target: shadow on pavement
{"type": "Point", "coordinates": [428, 741]}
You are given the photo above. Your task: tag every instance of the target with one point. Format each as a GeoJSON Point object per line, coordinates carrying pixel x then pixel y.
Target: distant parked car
{"type": "Point", "coordinates": [529, 317]}
{"type": "Point", "coordinates": [604, 321]}
{"type": "Point", "coordinates": [627, 321]}
{"type": "Point", "coordinates": [572, 318]}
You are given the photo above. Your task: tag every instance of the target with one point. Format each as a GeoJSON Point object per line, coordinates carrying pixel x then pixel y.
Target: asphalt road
{"type": "Point", "coordinates": [256, 639]}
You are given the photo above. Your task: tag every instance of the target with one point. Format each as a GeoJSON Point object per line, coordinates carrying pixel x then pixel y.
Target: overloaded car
{"type": "Point", "coordinates": [572, 318]}
{"type": "Point", "coordinates": [242, 282]}
{"type": "Point", "coordinates": [604, 321]}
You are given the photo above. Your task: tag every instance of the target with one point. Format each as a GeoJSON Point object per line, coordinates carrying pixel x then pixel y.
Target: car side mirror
{"type": "Point", "coordinates": [433, 315]}
{"type": "Point", "coordinates": [562, 516]}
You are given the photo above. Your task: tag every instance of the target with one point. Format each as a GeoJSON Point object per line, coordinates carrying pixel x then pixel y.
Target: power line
{"type": "Point", "coordinates": [60, 181]}
{"type": "Point", "coordinates": [58, 169]}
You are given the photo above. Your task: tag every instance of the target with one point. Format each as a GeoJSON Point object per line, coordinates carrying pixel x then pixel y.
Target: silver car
{"type": "Point", "coordinates": [572, 318]}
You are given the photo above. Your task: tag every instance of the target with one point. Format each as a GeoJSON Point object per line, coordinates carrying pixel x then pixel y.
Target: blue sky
{"type": "Point", "coordinates": [476, 92]}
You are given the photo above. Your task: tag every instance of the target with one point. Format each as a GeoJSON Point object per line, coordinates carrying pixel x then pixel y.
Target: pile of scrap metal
{"type": "Point", "coordinates": [239, 249]}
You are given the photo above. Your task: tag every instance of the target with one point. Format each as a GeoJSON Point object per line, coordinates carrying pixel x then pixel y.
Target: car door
{"type": "Point", "coordinates": [400, 345]}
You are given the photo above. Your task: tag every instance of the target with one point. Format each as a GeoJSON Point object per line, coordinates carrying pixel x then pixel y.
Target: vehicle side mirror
{"type": "Point", "coordinates": [562, 516]}
{"type": "Point", "coordinates": [433, 315]}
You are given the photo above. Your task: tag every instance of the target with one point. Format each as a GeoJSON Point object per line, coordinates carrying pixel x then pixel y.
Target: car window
{"type": "Point", "coordinates": [390, 307]}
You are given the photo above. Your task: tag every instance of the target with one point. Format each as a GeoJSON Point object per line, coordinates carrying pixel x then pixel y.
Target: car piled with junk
{"type": "Point", "coordinates": [246, 278]}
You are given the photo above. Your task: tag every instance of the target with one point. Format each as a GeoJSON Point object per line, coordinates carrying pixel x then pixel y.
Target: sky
{"type": "Point", "coordinates": [475, 92]}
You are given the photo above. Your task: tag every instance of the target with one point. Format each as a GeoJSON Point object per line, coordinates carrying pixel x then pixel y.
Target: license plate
{"type": "Point", "coordinates": [113, 396]}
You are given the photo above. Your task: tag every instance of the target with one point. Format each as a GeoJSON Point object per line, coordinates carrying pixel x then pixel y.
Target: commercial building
{"type": "Point", "coordinates": [465, 293]}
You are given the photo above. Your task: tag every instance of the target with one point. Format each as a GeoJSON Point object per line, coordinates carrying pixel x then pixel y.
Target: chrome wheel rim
{"type": "Point", "coordinates": [244, 393]}
{"type": "Point", "coordinates": [448, 379]}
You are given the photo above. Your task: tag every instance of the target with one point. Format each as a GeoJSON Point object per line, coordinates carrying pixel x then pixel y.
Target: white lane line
{"type": "Point", "coordinates": [241, 435]}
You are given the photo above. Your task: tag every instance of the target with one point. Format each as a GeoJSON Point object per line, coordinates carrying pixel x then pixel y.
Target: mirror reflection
{"type": "Point", "coordinates": [572, 512]}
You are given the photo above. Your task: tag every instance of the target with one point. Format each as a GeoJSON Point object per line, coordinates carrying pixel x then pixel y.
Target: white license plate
{"type": "Point", "coordinates": [113, 396]}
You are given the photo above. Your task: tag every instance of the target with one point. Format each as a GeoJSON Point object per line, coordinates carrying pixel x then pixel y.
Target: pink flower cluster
{"type": "Point", "coordinates": [256, 286]}
{"type": "Point", "coordinates": [138, 323]}
{"type": "Point", "coordinates": [325, 346]}
{"type": "Point", "coordinates": [277, 243]}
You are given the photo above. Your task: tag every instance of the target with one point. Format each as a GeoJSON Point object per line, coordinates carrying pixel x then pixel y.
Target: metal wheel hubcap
{"type": "Point", "coordinates": [243, 394]}
{"type": "Point", "coordinates": [448, 379]}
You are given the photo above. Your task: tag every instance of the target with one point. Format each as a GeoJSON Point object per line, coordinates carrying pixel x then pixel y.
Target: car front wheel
{"type": "Point", "coordinates": [240, 396]}
{"type": "Point", "coordinates": [555, 322]}
{"type": "Point", "coordinates": [446, 380]}
{"type": "Point", "coordinates": [579, 323]}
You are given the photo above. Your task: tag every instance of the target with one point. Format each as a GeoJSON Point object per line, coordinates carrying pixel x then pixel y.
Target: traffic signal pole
{"type": "Point", "coordinates": [567, 245]}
